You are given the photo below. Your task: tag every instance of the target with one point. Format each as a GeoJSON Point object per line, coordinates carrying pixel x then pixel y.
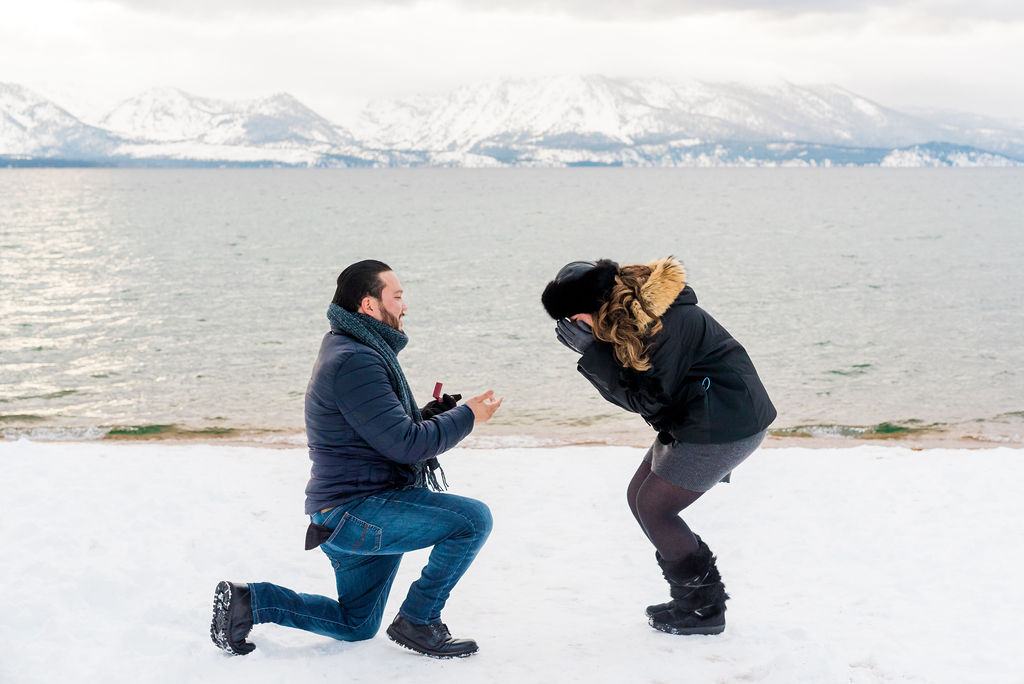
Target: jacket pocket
{"type": "Point", "coordinates": [353, 535]}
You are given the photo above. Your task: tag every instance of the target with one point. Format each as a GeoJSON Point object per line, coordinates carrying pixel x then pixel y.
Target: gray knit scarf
{"type": "Point", "coordinates": [387, 342]}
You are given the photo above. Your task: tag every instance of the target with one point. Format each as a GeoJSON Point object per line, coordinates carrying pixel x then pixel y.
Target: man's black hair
{"type": "Point", "coordinates": [361, 279]}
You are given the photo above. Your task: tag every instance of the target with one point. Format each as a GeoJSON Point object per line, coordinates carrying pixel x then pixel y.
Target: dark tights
{"type": "Point", "coordinates": [656, 504]}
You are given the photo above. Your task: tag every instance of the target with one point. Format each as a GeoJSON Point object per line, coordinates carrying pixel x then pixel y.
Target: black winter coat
{"type": "Point", "coordinates": [361, 440]}
{"type": "Point", "coordinates": [701, 388]}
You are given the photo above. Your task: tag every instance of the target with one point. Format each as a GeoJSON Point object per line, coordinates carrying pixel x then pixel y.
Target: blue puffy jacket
{"type": "Point", "coordinates": [361, 440]}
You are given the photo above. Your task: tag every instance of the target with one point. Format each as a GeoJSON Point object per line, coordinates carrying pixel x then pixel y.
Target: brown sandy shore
{"type": "Point", "coordinates": [505, 438]}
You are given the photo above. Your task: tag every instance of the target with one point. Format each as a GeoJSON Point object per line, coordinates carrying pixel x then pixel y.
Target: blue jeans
{"type": "Point", "coordinates": [370, 535]}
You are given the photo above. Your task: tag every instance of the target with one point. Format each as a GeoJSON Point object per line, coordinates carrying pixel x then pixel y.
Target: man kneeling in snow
{"type": "Point", "coordinates": [371, 494]}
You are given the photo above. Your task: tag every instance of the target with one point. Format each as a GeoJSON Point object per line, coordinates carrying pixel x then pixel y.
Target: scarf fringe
{"type": "Point", "coordinates": [425, 476]}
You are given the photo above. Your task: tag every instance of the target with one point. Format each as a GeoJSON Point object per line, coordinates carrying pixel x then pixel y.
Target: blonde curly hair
{"type": "Point", "coordinates": [631, 316]}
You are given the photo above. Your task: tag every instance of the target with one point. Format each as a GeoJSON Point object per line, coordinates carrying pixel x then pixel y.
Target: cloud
{"type": "Point", "coordinates": [602, 10]}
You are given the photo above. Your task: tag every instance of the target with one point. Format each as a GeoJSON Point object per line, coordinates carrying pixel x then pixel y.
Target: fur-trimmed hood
{"type": "Point", "coordinates": [667, 280]}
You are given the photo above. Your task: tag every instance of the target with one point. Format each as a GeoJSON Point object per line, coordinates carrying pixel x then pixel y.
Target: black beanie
{"type": "Point", "coordinates": [579, 287]}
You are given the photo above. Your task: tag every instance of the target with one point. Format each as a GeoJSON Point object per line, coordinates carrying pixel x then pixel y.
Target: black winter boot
{"type": "Point", "coordinates": [431, 640]}
{"type": "Point", "coordinates": [232, 618]}
{"type": "Point", "coordinates": [702, 551]}
{"type": "Point", "coordinates": [659, 607]}
{"type": "Point", "coordinates": [698, 596]}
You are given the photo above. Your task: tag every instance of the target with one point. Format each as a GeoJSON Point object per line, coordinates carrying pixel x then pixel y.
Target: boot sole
{"type": "Point", "coordinates": [695, 630]}
{"type": "Point", "coordinates": [219, 625]}
{"type": "Point", "coordinates": [435, 656]}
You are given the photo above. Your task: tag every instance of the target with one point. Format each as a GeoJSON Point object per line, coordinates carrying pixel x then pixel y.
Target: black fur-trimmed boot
{"type": "Point", "coordinates": [659, 607]}
{"type": "Point", "coordinates": [698, 595]}
{"type": "Point", "coordinates": [232, 618]}
{"type": "Point", "coordinates": [702, 549]}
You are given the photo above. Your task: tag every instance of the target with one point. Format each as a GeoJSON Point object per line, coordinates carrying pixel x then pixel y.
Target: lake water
{"type": "Point", "coordinates": [873, 302]}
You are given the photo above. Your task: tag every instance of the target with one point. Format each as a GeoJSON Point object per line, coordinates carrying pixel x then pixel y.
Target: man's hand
{"type": "Point", "coordinates": [576, 336]}
{"type": "Point", "coordinates": [484, 406]}
{"type": "Point", "coordinates": [446, 403]}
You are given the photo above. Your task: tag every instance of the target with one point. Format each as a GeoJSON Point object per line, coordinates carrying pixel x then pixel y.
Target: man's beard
{"type": "Point", "coordinates": [389, 319]}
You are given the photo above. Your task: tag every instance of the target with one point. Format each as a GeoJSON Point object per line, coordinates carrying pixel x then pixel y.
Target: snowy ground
{"type": "Point", "coordinates": [871, 564]}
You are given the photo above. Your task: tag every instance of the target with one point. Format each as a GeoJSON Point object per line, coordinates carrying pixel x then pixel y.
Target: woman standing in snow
{"type": "Point", "coordinates": [648, 348]}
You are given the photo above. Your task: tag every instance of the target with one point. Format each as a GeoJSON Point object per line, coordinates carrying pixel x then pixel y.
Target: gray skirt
{"type": "Point", "coordinates": [699, 467]}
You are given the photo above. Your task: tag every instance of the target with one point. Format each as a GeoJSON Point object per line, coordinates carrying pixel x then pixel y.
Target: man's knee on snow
{"type": "Point", "coordinates": [367, 630]}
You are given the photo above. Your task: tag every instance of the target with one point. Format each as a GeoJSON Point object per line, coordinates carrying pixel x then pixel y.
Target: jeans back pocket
{"type": "Point", "coordinates": [353, 535]}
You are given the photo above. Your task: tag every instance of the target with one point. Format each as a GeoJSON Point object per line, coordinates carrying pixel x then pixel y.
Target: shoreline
{"type": "Point", "coordinates": [297, 440]}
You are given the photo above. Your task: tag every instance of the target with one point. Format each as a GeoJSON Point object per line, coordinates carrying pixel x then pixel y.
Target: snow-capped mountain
{"type": "Point", "coordinates": [562, 121]}
{"type": "Point", "coordinates": [556, 111]}
{"type": "Point", "coordinates": [33, 127]}
{"type": "Point", "coordinates": [172, 125]}
{"type": "Point", "coordinates": [507, 117]}
{"type": "Point", "coordinates": [171, 115]}
{"type": "Point", "coordinates": [985, 132]}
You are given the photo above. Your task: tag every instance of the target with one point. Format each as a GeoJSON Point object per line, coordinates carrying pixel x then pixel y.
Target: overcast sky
{"type": "Point", "coordinates": [334, 55]}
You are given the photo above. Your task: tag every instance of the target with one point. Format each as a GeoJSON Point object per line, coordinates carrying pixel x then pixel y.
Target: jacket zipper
{"type": "Point", "coordinates": [706, 386]}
